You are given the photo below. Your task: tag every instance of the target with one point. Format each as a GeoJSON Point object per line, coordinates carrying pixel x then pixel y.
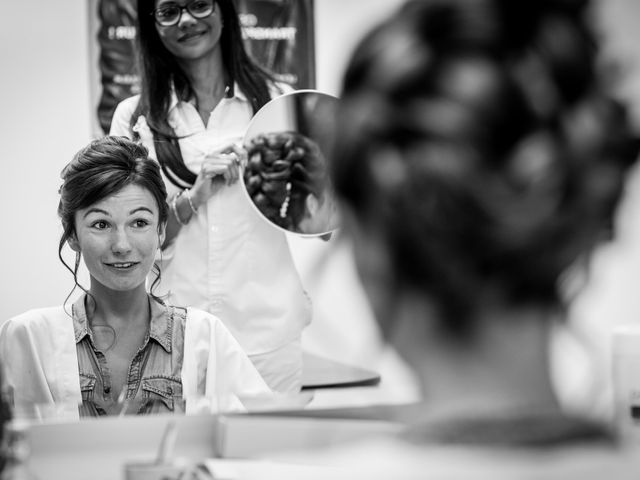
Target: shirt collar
{"type": "Point", "coordinates": [160, 328]}
{"type": "Point", "coordinates": [237, 94]}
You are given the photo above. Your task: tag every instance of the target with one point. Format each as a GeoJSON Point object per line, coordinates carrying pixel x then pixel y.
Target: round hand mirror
{"type": "Point", "coordinates": [286, 175]}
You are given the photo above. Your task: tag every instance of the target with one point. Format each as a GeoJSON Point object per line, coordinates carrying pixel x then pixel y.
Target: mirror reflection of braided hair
{"type": "Point", "coordinates": [284, 168]}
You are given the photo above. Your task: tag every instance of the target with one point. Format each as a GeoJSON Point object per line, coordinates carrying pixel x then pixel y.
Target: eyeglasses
{"type": "Point", "coordinates": [169, 14]}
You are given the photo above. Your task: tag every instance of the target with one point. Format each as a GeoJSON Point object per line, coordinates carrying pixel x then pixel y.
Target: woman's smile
{"type": "Point", "coordinates": [191, 36]}
{"type": "Point", "coordinates": [118, 238]}
{"type": "Point", "coordinates": [122, 265]}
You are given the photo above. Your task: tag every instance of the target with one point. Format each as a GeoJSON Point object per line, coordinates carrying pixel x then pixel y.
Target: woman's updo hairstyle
{"type": "Point", "coordinates": [283, 169]}
{"type": "Point", "coordinates": [479, 139]}
{"type": "Point", "coordinates": [103, 168]}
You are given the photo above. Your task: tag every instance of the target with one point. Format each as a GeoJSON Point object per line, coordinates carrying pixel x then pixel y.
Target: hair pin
{"type": "Point", "coordinates": [285, 204]}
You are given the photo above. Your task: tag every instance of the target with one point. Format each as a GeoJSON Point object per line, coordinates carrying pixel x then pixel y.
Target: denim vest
{"type": "Point", "coordinates": [154, 382]}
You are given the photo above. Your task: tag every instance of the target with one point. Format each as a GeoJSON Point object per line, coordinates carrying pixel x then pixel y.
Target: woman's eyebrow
{"type": "Point", "coordinates": [96, 210]}
{"type": "Point", "coordinates": [138, 209]}
{"type": "Point", "coordinates": [104, 212]}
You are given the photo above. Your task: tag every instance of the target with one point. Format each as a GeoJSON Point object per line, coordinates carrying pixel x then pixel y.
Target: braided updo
{"type": "Point", "coordinates": [283, 169]}
{"type": "Point", "coordinates": [479, 139]}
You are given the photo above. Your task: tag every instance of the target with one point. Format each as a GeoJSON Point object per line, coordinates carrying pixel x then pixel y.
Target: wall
{"type": "Point", "coordinates": [339, 25]}
{"type": "Point", "coordinates": [618, 21]}
{"type": "Point", "coordinates": [45, 119]}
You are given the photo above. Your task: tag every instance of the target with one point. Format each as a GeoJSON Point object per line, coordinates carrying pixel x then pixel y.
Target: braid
{"type": "Point", "coordinates": [283, 169]}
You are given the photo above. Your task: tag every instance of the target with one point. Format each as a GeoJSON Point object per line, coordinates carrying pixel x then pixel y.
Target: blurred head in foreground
{"type": "Point", "coordinates": [489, 158]}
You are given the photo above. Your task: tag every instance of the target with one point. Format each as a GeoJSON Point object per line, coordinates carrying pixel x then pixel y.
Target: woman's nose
{"type": "Point", "coordinates": [120, 243]}
{"type": "Point", "coordinates": [185, 18]}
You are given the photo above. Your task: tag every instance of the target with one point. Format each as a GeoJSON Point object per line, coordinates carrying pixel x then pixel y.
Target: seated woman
{"type": "Point", "coordinates": [479, 157]}
{"type": "Point", "coordinates": [287, 180]}
{"type": "Point", "coordinates": [119, 349]}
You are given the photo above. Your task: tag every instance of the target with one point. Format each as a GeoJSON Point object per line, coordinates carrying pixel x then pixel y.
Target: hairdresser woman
{"type": "Point", "coordinates": [199, 92]}
{"type": "Point", "coordinates": [119, 349]}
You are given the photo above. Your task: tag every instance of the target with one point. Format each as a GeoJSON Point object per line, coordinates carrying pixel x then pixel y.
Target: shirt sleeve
{"type": "Point", "coordinates": [242, 378]}
{"type": "Point", "coordinates": [20, 361]}
{"type": "Point", "coordinates": [216, 370]}
{"type": "Point", "coordinates": [39, 361]}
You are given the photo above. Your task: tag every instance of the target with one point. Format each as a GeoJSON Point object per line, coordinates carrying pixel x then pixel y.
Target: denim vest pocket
{"type": "Point", "coordinates": [161, 390]}
{"type": "Point", "coordinates": [87, 386]}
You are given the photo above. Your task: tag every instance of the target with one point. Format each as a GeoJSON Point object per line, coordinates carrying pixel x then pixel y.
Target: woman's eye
{"type": "Point", "coordinates": [167, 11]}
{"type": "Point", "coordinates": [100, 225]}
{"type": "Point", "coordinates": [200, 5]}
{"type": "Point", "coordinates": [141, 223]}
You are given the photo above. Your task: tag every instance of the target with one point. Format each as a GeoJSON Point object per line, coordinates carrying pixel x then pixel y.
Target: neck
{"type": "Point", "coordinates": [116, 308]}
{"type": "Point", "coordinates": [206, 75]}
{"type": "Point", "coordinates": [504, 367]}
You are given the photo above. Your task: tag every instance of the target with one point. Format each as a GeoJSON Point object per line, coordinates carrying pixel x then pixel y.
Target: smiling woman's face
{"type": "Point", "coordinates": [118, 238]}
{"type": "Point", "coordinates": [191, 38]}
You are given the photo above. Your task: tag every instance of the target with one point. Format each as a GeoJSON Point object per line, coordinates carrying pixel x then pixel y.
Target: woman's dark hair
{"type": "Point", "coordinates": [6, 415]}
{"type": "Point", "coordinates": [159, 71]}
{"type": "Point", "coordinates": [103, 168]}
{"type": "Point", "coordinates": [283, 169]}
{"type": "Point", "coordinates": [479, 138]}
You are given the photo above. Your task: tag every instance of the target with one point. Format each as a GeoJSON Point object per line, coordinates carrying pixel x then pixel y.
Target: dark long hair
{"type": "Point", "coordinates": [479, 139]}
{"type": "Point", "coordinates": [102, 168]}
{"type": "Point", "coordinates": [159, 70]}
{"type": "Point", "coordinates": [6, 414]}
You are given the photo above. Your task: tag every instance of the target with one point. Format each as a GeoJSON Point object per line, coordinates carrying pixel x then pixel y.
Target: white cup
{"type": "Point", "coordinates": [626, 379]}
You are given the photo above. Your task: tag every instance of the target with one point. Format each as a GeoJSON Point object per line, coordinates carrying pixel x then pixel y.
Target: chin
{"type": "Point", "coordinates": [194, 51]}
{"type": "Point", "coordinates": [124, 286]}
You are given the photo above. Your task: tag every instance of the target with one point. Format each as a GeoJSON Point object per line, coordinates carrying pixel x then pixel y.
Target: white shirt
{"type": "Point", "coordinates": [228, 260]}
{"type": "Point", "coordinates": [40, 361]}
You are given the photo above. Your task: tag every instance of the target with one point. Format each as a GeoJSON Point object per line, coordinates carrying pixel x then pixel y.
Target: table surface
{"type": "Point", "coordinates": [322, 372]}
{"type": "Point", "coordinates": [67, 451]}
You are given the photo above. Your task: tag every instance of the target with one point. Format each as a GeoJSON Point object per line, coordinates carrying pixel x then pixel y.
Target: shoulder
{"type": "Point", "coordinates": [124, 110]}
{"type": "Point", "coordinates": [122, 116]}
{"type": "Point", "coordinates": [38, 315]}
{"type": "Point", "coordinates": [128, 104]}
{"type": "Point", "coordinates": [37, 324]}
{"type": "Point", "coordinates": [197, 316]}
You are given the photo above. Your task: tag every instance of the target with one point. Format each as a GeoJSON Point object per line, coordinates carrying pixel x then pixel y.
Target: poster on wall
{"type": "Point", "coordinates": [116, 39]}
{"type": "Point", "coordinates": [278, 34]}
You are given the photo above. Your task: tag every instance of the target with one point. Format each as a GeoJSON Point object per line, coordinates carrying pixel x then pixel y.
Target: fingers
{"type": "Point", "coordinates": [241, 154]}
{"type": "Point", "coordinates": [234, 149]}
{"type": "Point", "coordinates": [226, 162]}
{"type": "Point", "coordinates": [225, 165]}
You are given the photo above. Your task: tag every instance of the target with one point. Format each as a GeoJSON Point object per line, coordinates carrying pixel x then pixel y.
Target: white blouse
{"type": "Point", "coordinates": [40, 362]}
{"type": "Point", "coordinates": [228, 260]}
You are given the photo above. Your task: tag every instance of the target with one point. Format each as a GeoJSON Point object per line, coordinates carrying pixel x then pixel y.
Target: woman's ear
{"type": "Point", "coordinates": [73, 242]}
